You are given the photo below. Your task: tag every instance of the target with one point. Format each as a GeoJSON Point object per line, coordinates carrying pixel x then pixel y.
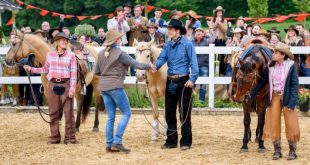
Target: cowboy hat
{"type": "Point", "coordinates": [273, 30]}
{"type": "Point", "coordinates": [219, 8]}
{"type": "Point", "coordinates": [177, 24]}
{"type": "Point", "coordinates": [128, 4]}
{"type": "Point", "coordinates": [239, 30]}
{"type": "Point", "coordinates": [50, 32]}
{"type": "Point", "coordinates": [264, 32]}
{"type": "Point", "coordinates": [192, 14]}
{"type": "Point", "coordinates": [173, 13]}
{"type": "Point", "coordinates": [111, 37]}
{"type": "Point", "coordinates": [58, 36]}
{"type": "Point", "coordinates": [292, 27]}
{"type": "Point", "coordinates": [199, 29]}
{"type": "Point", "coordinates": [152, 25]}
{"type": "Point", "coordinates": [282, 47]}
{"type": "Point", "coordinates": [240, 18]}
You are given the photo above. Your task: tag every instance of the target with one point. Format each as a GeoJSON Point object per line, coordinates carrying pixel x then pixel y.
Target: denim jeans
{"type": "Point", "coordinates": [112, 99]}
{"type": "Point", "coordinates": [132, 70]}
{"type": "Point", "coordinates": [203, 72]}
{"type": "Point", "coordinates": [228, 70]}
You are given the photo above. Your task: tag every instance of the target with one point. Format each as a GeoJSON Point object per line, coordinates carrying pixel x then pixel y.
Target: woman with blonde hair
{"type": "Point", "coordinates": [61, 69]}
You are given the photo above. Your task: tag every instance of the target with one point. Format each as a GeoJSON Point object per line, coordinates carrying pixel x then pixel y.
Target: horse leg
{"type": "Point", "coordinates": [98, 104]}
{"type": "Point", "coordinates": [3, 91]}
{"type": "Point", "coordinates": [15, 94]}
{"type": "Point", "coordinates": [247, 129]}
{"type": "Point", "coordinates": [155, 124]}
{"type": "Point", "coordinates": [79, 112]}
{"type": "Point", "coordinates": [260, 127]}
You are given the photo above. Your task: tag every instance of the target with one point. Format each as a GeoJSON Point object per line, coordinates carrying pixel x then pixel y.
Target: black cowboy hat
{"type": "Point", "coordinates": [128, 4]}
{"type": "Point", "coordinates": [273, 30]}
{"type": "Point", "coordinates": [177, 24]}
{"type": "Point", "coordinates": [50, 32]}
{"type": "Point", "coordinates": [58, 36]}
{"type": "Point", "coordinates": [292, 27]}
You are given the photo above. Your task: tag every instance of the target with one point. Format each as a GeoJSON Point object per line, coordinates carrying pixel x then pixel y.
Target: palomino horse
{"type": "Point", "coordinates": [146, 52]}
{"type": "Point", "coordinates": [245, 77]}
{"type": "Point", "coordinates": [27, 44]}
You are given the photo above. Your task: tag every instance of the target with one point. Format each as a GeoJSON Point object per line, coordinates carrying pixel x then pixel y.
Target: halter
{"type": "Point", "coordinates": [256, 76]}
{"type": "Point", "coordinates": [149, 56]}
{"type": "Point", "coordinates": [20, 45]}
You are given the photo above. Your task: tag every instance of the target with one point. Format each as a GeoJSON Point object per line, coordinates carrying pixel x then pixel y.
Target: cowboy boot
{"type": "Point", "coordinates": [292, 153]}
{"type": "Point", "coordinates": [277, 150]}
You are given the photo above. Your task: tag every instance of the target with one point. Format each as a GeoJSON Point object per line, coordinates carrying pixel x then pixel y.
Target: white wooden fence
{"type": "Point", "coordinates": [211, 80]}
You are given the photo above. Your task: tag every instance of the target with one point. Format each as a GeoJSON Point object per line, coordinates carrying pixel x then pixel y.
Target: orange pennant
{"type": "Point", "coordinates": [263, 20]}
{"type": "Point", "coordinates": [30, 7]}
{"type": "Point", "coordinates": [95, 17]}
{"type": "Point", "coordinates": [149, 8]}
{"type": "Point", "coordinates": [280, 18]}
{"type": "Point", "coordinates": [19, 2]}
{"type": "Point", "coordinates": [110, 15]}
{"type": "Point", "coordinates": [68, 16]}
{"type": "Point", "coordinates": [10, 22]}
{"type": "Point", "coordinates": [80, 18]}
{"type": "Point", "coordinates": [44, 12]}
{"type": "Point", "coordinates": [301, 17]}
{"type": "Point", "coordinates": [165, 10]}
{"type": "Point", "coordinates": [54, 14]}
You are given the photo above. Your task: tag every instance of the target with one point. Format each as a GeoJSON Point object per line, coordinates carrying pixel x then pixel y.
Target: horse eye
{"type": "Point", "coordinates": [148, 55]}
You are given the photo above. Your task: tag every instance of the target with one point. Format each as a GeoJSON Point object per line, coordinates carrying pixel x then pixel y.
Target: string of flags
{"type": "Point", "coordinates": [43, 12]}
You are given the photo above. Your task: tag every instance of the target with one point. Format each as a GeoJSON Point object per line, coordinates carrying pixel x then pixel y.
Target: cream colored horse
{"type": "Point", "coordinates": [27, 44]}
{"type": "Point", "coordinates": [146, 52]}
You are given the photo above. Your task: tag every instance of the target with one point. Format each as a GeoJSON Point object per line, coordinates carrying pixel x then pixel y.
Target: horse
{"type": "Point", "coordinates": [147, 52]}
{"type": "Point", "coordinates": [27, 44]}
{"type": "Point", "coordinates": [244, 78]}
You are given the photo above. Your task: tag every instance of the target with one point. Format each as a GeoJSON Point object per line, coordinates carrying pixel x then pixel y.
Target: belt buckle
{"type": "Point", "coordinates": [279, 92]}
{"type": "Point", "coordinates": [58, 80]}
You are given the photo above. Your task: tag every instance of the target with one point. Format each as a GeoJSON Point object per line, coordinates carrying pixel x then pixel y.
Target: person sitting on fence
{"type": "Point", "coordinates": [112, 67]}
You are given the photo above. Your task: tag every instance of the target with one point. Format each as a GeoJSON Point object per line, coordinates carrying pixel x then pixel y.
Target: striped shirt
{"type": "Point", "coordinates": [56, 66]}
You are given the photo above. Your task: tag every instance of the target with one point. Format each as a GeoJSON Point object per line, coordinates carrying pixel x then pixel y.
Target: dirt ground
{"type": "Point", "coordinates": [216, 140]}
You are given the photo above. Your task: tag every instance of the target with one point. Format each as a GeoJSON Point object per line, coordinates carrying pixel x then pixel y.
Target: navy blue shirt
{"type": "Point", "coordinates": [180, 59]}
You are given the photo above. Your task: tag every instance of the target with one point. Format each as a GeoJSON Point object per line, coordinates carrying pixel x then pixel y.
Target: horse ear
{"type": "Point", "coordinates": [151, 43]}
{"type": "Point", "coordinates": [18, 33]}
{"type": "Point", "coordinates": [135, 42]}
{"type": "Point", "coordinates": [241, 62]}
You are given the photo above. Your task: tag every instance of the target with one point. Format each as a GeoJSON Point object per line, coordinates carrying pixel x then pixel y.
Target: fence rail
{"type": "Point", "coordinates": [211, 80]}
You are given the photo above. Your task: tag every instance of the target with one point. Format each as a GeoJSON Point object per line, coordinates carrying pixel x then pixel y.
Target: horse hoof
{"type": "Point", "coordinates": [261, 150]}
{"type": "Point", "coordinates": [242, 150]}
{"type": "Point", "coordinates": [95, 129]}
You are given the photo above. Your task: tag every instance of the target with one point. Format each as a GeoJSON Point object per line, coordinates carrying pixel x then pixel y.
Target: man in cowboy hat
{"type": "Point", "coordinates": [282, 77]}
{"type": "Point", "coordinates": [152, 34]}
{"type": "Point", "coordinates": [179, 53]}
{"type": "Point", "coordinates": [112, 67]}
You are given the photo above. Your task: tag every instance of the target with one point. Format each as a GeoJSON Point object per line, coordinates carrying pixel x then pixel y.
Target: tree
{"type": "Point", "coordinates": [258, 8]}
{"type": "Point", "coordinates": [282, 7]}
{"type": "Point", "coordinates": [302, 5]}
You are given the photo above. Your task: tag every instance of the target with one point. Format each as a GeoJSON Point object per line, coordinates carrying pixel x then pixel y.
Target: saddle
{"type": "Point", "coordinates": [85, 62]}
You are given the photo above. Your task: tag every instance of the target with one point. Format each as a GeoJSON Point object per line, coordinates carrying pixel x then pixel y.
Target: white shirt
{"type": "Point", "coordinates": [113, 24]}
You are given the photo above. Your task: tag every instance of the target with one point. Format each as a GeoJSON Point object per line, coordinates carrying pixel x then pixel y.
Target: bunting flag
{"type": "Point", "coordinates": [44, 12]}
{"type": "Point", "coordinates": [10, 22]}
{"type": "Point", "coordinates": [278, 18]}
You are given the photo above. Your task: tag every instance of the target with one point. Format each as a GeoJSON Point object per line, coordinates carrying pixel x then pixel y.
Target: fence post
{"type": "Point", "coordinates": [211, 75]}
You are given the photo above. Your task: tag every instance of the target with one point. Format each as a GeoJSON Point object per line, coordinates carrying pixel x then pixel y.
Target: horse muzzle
{"type": "Point", "coordinates": [141, 76]}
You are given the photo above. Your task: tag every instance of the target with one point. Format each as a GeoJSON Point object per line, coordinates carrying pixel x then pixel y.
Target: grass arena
{"type": "Point", "coordinates": [217, 139]}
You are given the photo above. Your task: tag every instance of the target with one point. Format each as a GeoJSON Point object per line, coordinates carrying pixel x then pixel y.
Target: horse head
{"type": "Point", "coordinates": [24, 45]}
{"type": "Point", "coordinates": [143, 55]}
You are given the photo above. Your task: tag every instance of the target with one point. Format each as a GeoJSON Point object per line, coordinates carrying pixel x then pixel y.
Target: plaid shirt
{"type": "Point", "coordinates": [56, 66]}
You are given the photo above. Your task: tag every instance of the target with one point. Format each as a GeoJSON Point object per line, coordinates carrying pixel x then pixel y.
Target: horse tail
{"type": "Point", "coordinates": [87, 101]}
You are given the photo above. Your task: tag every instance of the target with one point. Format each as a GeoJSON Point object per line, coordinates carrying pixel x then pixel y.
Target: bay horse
{"type": "Point", "coordinates": [252, 63]}
{"type": "Point", "coordinates": [27, 44]}
{"type": "Point", "coordinates": [147, 52]}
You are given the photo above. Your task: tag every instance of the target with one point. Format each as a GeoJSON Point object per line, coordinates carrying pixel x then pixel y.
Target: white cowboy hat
{"type": "Point", "coordinates": [219, 8]}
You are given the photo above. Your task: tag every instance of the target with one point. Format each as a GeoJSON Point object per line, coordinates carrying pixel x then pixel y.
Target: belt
{"type": "Point", "coordinates": [177, 76]}
{"type": "Point", "coordinates": [59, 80]}
{"type": "Point", "coordinates": [278, 92]}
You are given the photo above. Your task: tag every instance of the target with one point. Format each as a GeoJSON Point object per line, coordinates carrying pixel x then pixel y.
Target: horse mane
{"type": "Point", "coordinates": [40, 46]}
{"type": "Point", "coordinates": [252, 57]}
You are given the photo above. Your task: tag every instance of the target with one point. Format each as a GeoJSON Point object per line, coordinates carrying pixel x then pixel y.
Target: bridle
{"type": "Point", "coordinates": [149, 56]}
{"type": "Point", "coordinates": [242, 75]}
{"type": "Point", "coordinates": [19, 46]}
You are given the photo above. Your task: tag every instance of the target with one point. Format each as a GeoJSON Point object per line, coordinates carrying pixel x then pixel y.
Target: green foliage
{"type": "Point", "coordinates": [302, 5]}
{"type": "Point", "coordinates": [282, 7]}
{"type": "Point", "coordinates": [85, 29]}
{"type": "Point", "coordinates": [258, 8]}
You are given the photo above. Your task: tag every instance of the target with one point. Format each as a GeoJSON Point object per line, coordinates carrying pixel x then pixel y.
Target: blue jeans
{"type": "Point", "coordinates": [228, 70]}
{"type": "Point", "coordinates": [132, 70]}
{"type": "Point", "coordinates": [112, 99]}
{"type": "Point", "coordinates": [203, 72]}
